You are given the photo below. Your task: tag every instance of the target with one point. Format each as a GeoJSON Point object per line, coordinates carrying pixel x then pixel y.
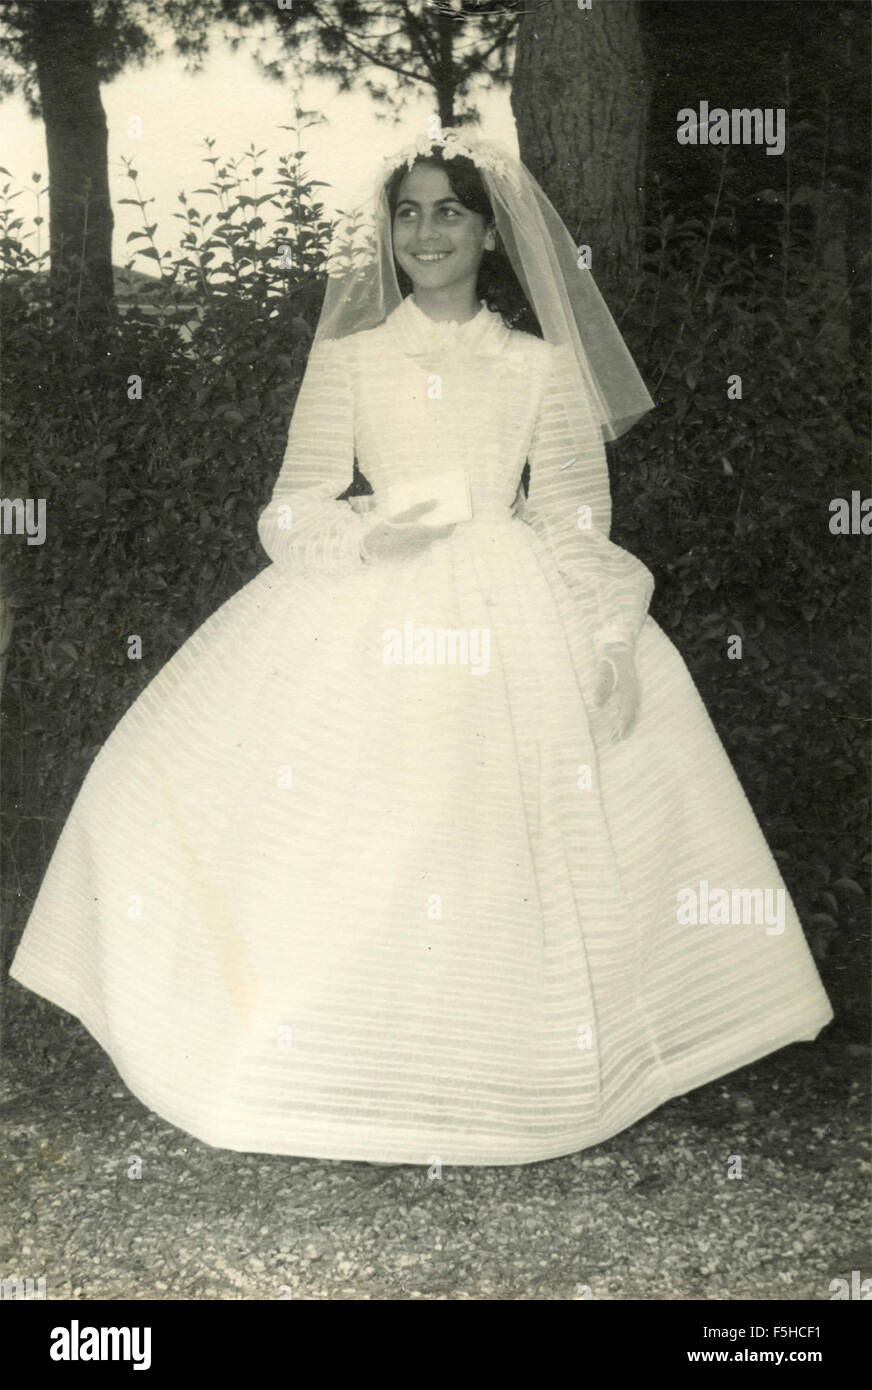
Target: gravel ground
{"type": "Point", "coordinates": [651, 1214]}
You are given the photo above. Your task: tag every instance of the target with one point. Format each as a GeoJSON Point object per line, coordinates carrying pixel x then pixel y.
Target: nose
{"type": "Point", "coordinates": [427, 230]}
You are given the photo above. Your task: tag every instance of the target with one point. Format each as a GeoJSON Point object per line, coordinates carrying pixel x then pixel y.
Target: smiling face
{"type": "Point", "coordinates": [437, 241]}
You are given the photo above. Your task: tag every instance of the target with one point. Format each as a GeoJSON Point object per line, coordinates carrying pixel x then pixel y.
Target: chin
{"type": "Point", "coordinates": [429, 274]}
{"type": "Point", "coordinates": [428, 282]}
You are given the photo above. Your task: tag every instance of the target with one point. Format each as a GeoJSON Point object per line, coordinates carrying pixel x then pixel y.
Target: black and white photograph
{"type": "Point", "coordinates": [435, 649]}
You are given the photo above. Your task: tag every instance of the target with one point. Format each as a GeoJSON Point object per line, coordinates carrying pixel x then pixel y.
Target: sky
{"type": "Point", "coordinates": [231, 103]}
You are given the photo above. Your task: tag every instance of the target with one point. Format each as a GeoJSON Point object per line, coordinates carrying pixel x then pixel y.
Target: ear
{"type": "Point", "coordinates": [490, 237]}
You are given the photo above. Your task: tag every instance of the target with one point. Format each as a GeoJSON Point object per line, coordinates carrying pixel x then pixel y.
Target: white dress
{"type": "Point", "coordinates": [339, 886]}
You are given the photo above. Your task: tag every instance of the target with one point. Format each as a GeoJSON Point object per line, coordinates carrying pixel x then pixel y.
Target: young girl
{"type": "Point", "coordinates": [423, 846]}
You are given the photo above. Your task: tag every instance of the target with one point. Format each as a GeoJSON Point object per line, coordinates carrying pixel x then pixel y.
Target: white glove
{"type": "Point", "coordinates": [361, 503]}
{"type": "Point", "coordinates": [618, 688]}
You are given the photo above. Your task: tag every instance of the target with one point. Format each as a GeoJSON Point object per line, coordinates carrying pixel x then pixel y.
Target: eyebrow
{"type": "Point", "coordinates": [438, 202]}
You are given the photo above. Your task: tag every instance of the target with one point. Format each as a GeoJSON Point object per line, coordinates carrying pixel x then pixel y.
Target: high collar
{"type": "Point", "coordinates": [484, 334]}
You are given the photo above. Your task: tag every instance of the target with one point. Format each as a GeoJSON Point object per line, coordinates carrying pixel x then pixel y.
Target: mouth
{"type": "Point", "coordinates": [429, 257]}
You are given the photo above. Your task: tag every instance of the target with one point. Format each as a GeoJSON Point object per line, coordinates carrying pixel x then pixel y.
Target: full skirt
{"type": "Point", "coordinates": [360, 875]}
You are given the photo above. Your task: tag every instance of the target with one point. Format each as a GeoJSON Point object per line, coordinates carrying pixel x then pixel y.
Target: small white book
{"type": "Point", "coordinates": [450, 490]}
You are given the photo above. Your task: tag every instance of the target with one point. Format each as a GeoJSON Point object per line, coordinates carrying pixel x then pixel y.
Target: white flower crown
{"type": "Point", "coordinates": [452, 144]}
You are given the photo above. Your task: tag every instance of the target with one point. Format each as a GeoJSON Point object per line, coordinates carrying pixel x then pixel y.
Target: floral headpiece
{"type": "Point", "coordinates": [452, 144]}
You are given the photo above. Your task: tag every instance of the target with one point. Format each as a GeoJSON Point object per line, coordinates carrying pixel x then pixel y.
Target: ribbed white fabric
{"type": "Point", "coordinates": [313, 903]}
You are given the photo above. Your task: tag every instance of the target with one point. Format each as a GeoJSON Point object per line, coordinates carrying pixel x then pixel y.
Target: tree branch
{"type": "Point", "coordinates": [378, 61]}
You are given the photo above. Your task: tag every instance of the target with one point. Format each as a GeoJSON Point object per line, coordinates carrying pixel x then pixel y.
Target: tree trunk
{"type": "Point", "coordinates": [580, 97]}
{"type": "Point", "coordinates": [81, 220]}
{"type": "Point", "coordinates": [445, 80]}
{"type": "Point", "coordinates": [841, 212]}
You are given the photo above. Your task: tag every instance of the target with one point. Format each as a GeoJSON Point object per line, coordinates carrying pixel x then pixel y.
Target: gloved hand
{"type": "Point", "coordinates": [361, 503]}
{"type": "Point", "coordinates": [618, 688]}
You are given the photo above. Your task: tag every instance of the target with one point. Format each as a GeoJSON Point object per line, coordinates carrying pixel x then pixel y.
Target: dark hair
{"type": "Point", "coordinates": [497, 282]}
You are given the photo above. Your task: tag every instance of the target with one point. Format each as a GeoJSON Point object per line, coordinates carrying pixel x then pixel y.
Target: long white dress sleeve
{"type": "Point", "coordinates": [563, 485]}
{"type": "Point", "coordinates": [304, 527]}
